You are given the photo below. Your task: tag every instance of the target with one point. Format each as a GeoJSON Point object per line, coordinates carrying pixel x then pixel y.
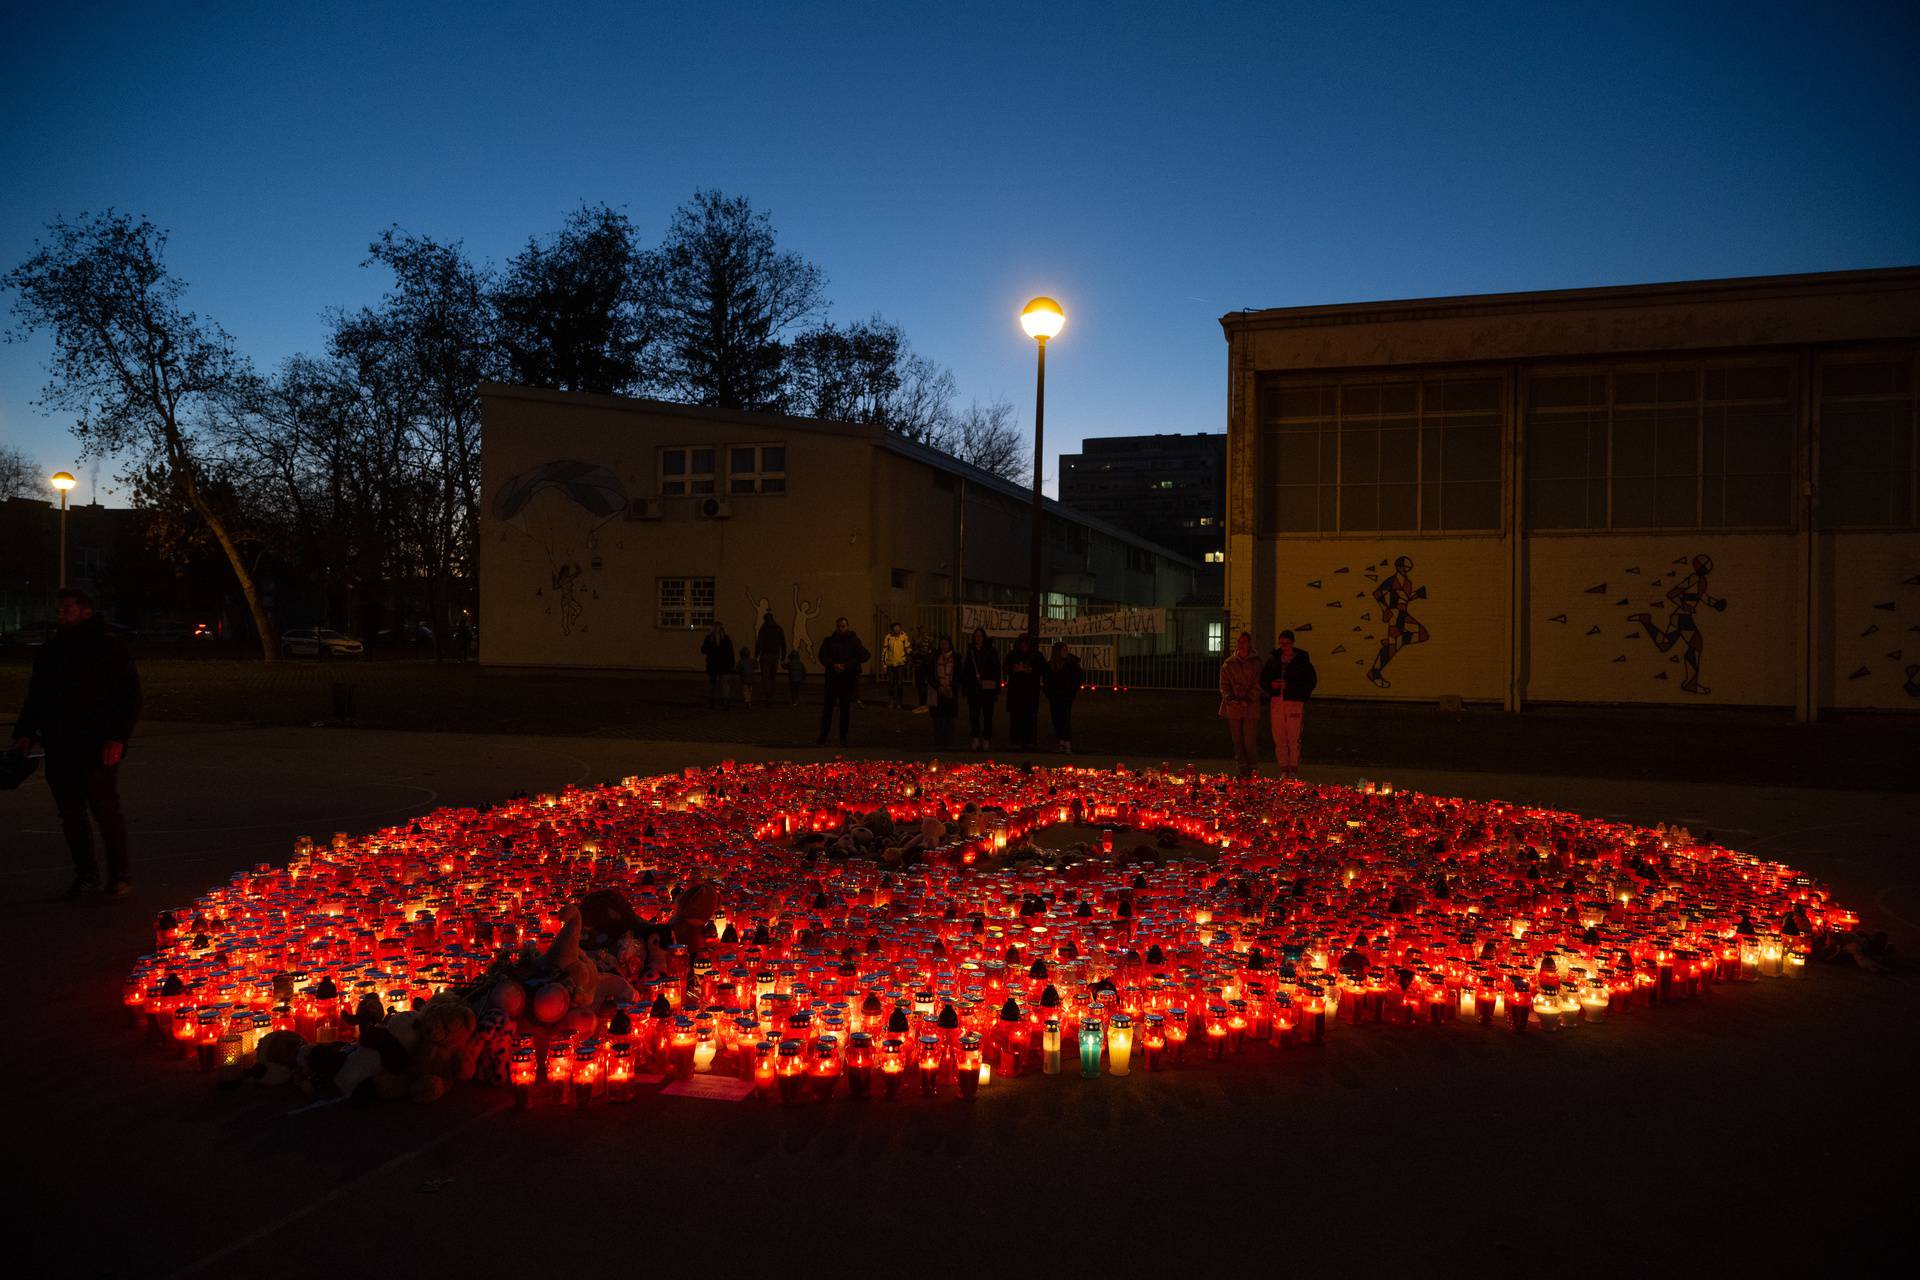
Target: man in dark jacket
{"type": "Point", "coordinates": [717, 649]}
{"type": "Point", "coordinates": [840, 655]}
{"type": "Point", "coordinates": [1288, 678]}
{"type": "Point", "coordinates": [770, 648]}
{"type": "Point", "coordinates": [82, 701]}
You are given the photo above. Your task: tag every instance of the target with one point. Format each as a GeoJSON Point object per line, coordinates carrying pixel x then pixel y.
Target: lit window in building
{"type": "Point", "coordinates": [685, 604]}
{"type": "Point", "coordinates": [1216, 637]}
{"type": "Point", "coordinates": [1216, 557]}
{"type": "Point", "coordinates": [757, 468]}
{"type": "Point", "coordinates": [686, 469]}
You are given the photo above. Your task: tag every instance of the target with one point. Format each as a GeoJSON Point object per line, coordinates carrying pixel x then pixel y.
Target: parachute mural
{"type": "Point", "coordinates": [544, 504]}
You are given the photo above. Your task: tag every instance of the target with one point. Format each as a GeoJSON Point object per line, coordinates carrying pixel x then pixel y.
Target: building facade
{"type": "Point", "coordinates": [1694, 493]}
{"type": "Point", "coordinates": [614, 532]}
{"type": "Point", "coordinates": [1169, 489]}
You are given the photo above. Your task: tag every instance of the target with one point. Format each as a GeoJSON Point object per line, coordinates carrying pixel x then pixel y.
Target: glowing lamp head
{"type": "Point", "coordinates": [64, 481]}
{"type": "Point", "coordinates": [1042, 318]}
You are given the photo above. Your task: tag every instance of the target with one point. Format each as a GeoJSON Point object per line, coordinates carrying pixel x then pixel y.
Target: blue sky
{"type": "Point", "coordinates": [1151, 166]}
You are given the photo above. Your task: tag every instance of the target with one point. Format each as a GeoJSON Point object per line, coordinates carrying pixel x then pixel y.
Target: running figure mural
{"type": "Point", "coordinates": [1682, 624]}
{"type": "Point", "coordinates": [1399, 627]}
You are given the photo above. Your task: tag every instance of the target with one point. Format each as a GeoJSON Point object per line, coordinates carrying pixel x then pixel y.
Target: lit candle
{"type": "Point", "coordinates": [1050, 1047]}
{"type": "Point", "coordinates": [1090, 1043]}
{"type": "Point", "coordinates": [1119, 1044]}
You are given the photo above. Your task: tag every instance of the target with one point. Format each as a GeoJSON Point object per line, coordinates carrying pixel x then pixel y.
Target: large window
{"type": "Point", "coordinates": [686, 604]}
{"type": "Point", "coordinates": [1364, 456]}
{"type": "Point", "coordinates": [1680, 446]}
{"type": "Point", "coordinates": [686, 470]}
{"type": "Point", "coordinates": [757, 468]}
{"type": "Point", "coordinates": [1866, 443]}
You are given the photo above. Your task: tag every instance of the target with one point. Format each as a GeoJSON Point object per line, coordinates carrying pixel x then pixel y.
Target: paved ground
{"type": "Point", "coordinates": [1769, 1128]}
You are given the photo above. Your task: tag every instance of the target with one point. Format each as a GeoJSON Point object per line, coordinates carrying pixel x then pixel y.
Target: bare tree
{"type": "Point", "coordinates": [138, 373]}
{"type": "Point", "coordinates": [20, 476]}
{"type": "Point", "coordinates": [985, 435]}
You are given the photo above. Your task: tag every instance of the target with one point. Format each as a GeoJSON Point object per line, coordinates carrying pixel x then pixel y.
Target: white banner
{"type": "Point", "coordinates": [1117, 622]}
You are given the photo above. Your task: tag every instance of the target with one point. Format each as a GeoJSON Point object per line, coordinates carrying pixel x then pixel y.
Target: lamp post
{"type": "Point", "coordinates": [64, 482]}
{"type": "Point", "coordinates": [1042, 319]}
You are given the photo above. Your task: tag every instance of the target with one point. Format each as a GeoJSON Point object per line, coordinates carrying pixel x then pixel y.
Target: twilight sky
{"type": "Point", "coordinates": [1152, 166]}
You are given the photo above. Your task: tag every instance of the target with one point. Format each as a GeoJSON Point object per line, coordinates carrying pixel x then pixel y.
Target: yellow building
{"type": "Point", "coordinates": [1697, 493]}
{"type": "Point", "coordinates": [614, 531]}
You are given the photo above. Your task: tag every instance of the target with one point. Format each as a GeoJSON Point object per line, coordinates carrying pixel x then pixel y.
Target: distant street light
{"type": "Point", "coordinates": [64, 482]}
{"type": "Point", "coordinates": [1042, 319]}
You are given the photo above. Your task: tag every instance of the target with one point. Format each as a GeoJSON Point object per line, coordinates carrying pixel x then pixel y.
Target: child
{"type": "Point", "coordinates": [796, 672]}
{"type": "Point", "coordinates": [745, 672]}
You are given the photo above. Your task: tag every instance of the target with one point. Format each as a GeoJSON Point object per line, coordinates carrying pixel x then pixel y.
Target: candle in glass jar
{"type": "Point", "coordinates": [1119, 1044]}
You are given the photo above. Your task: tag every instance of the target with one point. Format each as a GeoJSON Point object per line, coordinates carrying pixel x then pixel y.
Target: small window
{"type": "Point", "coordinates": [757, 468]}
{"type": "Point", "coordinates": [903, 579]}
{"type": "Point", "coordinates": [1216, 557]}
{"type": "Point", "coordinates": [686, 470]}
{"type": "Point", "coordinates": [1216, 637]}
{"type": "Point", "coordinates": [685, 604]}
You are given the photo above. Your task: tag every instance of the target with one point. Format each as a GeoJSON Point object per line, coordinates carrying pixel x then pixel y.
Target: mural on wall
{"type": "Point", "coordinates": [804, 612]}
{"type": "Point", "coordinates": [1867, 653]}
{"type": "Point", "coordinates": [1682, 625]}
{"type": "Point", "coordinates": [561, 507]}
{"type": "Point", "coordinates": [1400, 627]}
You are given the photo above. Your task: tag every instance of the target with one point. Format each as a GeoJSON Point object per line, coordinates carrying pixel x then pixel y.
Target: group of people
{"type": "Point", "coordinates": [730, 674]}
{"type": "Point", "coordinates": [1284, 681]}
{"type": "Point", "coordinates": [979, 675]}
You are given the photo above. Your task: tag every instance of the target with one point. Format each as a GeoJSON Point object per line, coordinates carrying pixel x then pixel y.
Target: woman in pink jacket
{"type": "Point", "coordinates": [1240, 702]}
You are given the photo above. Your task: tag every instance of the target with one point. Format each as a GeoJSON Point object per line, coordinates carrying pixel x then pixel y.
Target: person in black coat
{"type": "Point", "coordinates": [980, 685]}
{"type": "Point", "coordinates": [717, 649]}
{"type": "Point", "coordinates": [83, 699]}
{"type": "Point", "coordinates": [1288, 678]}
{"type": "Point", "coordinates": [1023, 693]}
{"type": "Point", "coordinates": [841, 655]}
{"type": "Point", "coordinates": [1062, 680]}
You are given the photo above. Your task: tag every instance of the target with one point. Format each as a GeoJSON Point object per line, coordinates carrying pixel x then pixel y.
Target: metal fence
{"type": "Point", "coordinates": [1177, 648]}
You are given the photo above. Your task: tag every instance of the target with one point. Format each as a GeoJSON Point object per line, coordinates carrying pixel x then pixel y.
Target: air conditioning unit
{"type": "Point", "coordinates": [643, 509]}
{"type": "Point", "coordinates": [714, 509]}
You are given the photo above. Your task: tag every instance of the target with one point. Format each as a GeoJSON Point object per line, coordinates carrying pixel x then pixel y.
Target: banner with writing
{"type": "Point", "coordinates": [1115, 622]}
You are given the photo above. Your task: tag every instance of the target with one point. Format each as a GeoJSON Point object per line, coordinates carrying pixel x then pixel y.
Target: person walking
{"type": "Point", "coordinates": [841, 654]}
{"type": "Point", "coordinates": [923, 651]}
{"type": "Point", "coordinates": [1288, 679]}
{"type": "Point", "coordinates": [1240, 703]}
{"type": "Point", "coordinates": [770, 647]}
{"type": "Point", "coordinates": [717, 649]}
{"type": "Point", "coordinates": [944, 665]}
{"type": "Point", "coordinates": [980, 682]}
{"type": "Point", "coordinates": [1062, 680]}
{"type": "Point", "coordinates": [896, 650]}
{"type": "Point", "coordinates": [83, 698]}
{"type": "Point", "coordinates": [1023, 667]}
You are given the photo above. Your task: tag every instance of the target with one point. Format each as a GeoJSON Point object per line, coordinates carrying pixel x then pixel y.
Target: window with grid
{"type": "Point", "coordinates": [685, 604]}
{"type": "Point", "coordinates": [1867, 443]}
{"type": "Point", "coordinates": [1417, 454]}
{"type": "Point", "coordinates": [1693, 446]}
{"type": "Point", "coordinates": [687, 470]}
{"type": "Point", "coordinates": [757, 468]}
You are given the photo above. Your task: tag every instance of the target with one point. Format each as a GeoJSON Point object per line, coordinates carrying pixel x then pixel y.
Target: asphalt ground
{"type": "Point", "coordinates": [1766, 1129]}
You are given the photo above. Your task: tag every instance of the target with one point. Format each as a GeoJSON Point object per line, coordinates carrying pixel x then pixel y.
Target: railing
{"type": "Point", "coordinates": [1173, 648]}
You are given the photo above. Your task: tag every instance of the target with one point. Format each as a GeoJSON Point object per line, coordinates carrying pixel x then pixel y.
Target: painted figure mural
{"type": "Point", "coordinates": [804, 611]}
{"type": "Point", "coordinates": [1682, 625]}
{"type": "Point", "coordinates": [1400, 627]}
{"type": "Point", "coordinates": [545, 504]}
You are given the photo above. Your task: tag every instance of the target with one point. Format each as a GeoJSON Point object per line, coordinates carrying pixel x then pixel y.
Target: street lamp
{"type": "Point", "coordinates": [64, 482]}
{"type": "Point", "coordinates": [1042, 319]}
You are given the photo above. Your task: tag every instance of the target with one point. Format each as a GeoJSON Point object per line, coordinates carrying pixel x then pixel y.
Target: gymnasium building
{"type": "Point", "coordinates": [1698, 493]}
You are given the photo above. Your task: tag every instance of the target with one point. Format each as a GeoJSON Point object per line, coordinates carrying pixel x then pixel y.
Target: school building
{"type": "Point", "coordinates": [1689, 493]}
{"type": "Point", "coordinates": [614, 531]}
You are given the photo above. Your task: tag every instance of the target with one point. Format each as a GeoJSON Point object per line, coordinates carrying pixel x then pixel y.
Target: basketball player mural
{"type": "Point", "coordinates": [1682, 625]}
{"type": "Point", "coordinates": [1401, 628]}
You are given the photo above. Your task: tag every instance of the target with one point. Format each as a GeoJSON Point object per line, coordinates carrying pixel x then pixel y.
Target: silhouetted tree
{"type": "Point", "coordinates": [20, 476]}
{"type": "Point", "coordinates": [138, 373]}
{"type": "Point", "coordinates": [985, 435]}
{"type": "Point", "coordinates": [572, 310]}
{"type": "Point", "coordinates": [725, 297]}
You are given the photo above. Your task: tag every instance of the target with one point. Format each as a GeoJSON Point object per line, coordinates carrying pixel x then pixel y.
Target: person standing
{"type": "Point", "coordinates": [896, 650]}
{"type": "Point", "coordinates": [944, 665]}
{"type": "Point", "coordinates": [1062, 680]}
{"type": "Point", "coordinates": [980, 682]}
{"type": "Point", "coordinates": [922, 667]}
{"type": "Point", "coordinates": [83, 699]}
{"type": "Point", "coordinates": [770, 647]}
{"type": "Point", "coordinates": [1240, 703]}
{"type": "Point", "coordinates": [1288, 678]}
{"type": "Point", "coordinates": [796, 676]}
{"type": "Point", "coordinates": [841, 654]}
{"type": "Point", "coordinates": [746, 672]}
{"type": "Point", "coordinates": [717, 649]}
{"type": "Point", "coordinates": [1023, 693]}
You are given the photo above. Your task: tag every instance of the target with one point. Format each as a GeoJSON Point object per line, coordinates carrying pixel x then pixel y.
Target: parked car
{"type": "Point", "coordinates": [310, 642]}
